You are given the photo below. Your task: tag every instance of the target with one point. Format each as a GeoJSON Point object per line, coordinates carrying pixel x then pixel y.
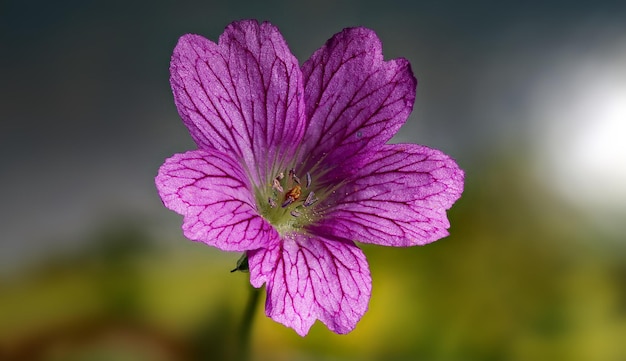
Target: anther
{"type": "Point", "coordinates": [295, 213]}
{"type": "Point", "coordinates": [310, 199]}
{"type": "Point", "coordinates": [272, 202]}
{"type": "Point", "coordinates": [308, 179]}
{"type": "Point", "coordinates": [276, 185]}
{"type": "Point", "coordinates": [293, 176]}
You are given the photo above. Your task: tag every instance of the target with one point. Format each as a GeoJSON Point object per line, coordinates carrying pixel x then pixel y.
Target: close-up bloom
{"type": "Point", "coordinates": [292, 166]}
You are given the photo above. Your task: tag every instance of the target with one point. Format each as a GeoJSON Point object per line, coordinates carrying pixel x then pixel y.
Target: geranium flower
{"type": "Point", "coordinates": [292, 165]}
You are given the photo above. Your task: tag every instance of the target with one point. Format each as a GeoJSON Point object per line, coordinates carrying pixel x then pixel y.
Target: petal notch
{"type": "Point", "coordinates": [355, 101]}
{"type": "Point", "coordinates": [243, 96]}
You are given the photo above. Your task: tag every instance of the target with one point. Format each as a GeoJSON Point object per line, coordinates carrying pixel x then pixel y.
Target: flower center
{"type": "Point", "coordinates": [287, 203]}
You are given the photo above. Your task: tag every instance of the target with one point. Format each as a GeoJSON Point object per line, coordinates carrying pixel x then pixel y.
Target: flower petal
{"type": "Point", "coordinates": [311, 278]}
{"type": "Point", "coordinates": [399, 198]}
{"type": "Point", "coordinates": [355, 101]}
{"type": "Point", "coordinates": [210, 190]}
{"type": "Point", "coordinates": [242, 96]}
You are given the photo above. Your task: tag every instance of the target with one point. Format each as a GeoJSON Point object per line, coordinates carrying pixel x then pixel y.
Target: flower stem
{"type": "Point", "coordinates": [246, 324]}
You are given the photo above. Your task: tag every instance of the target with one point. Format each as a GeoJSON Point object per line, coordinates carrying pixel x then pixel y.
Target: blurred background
{"type": "Point", "coordinates": [528, 96]}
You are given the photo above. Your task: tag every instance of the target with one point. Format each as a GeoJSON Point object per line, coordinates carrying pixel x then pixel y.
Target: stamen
{"type": "Point", "coordinates": [293, 176]}
{"type": "Point", "coordinates": [276, 185]}
{"type": "Point", "coordinates": [287, 202]}
{"type": "Point", "coordinates": [308, 179]}
{"type": "Point", "coordinates": [295, 213]}
{"type": "Point", "coordinates": [272, 202]}
{"type": "Point", "coordinates": [280, 176]}
{"type": "Point", "coordinates": [310, 199]}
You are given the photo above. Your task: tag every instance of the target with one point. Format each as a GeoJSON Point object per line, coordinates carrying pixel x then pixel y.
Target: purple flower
{"type": "Point", "coordinates": [292, 165]}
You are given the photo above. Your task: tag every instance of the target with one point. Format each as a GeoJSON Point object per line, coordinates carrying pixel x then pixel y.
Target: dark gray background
{"type": "Point", "coordinates": [87, 115]}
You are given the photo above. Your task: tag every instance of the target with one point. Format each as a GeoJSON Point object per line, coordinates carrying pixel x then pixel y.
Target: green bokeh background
{"type": "Point", "coordinates": [524, 275]}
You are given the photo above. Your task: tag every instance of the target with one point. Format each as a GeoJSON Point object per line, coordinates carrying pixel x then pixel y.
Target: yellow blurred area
{"type": "Point", "coordinates": [522, 277]}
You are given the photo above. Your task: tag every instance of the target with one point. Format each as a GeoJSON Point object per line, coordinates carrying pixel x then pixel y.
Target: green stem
{"type": "Point", "coordinates": [246, 324]}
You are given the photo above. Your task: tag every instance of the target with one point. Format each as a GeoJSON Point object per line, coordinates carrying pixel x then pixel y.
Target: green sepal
{"type": "Point", "coordinates": [242, 263]}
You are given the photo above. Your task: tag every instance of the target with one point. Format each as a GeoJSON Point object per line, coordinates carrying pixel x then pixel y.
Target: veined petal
{"type": "Point", "coordinates": [211, 191]}
{"type": "Point", "coordinates": [243, 96]}
{"type": "Point", "coordinates": [355, 101]}
{"type": "Point", "coordinates": [311, 278]}
{"type": "Point", "coordinates": [399, 198]}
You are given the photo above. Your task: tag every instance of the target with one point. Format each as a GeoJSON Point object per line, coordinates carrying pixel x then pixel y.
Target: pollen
{"type": "Point", "coordinates": [292, 195]}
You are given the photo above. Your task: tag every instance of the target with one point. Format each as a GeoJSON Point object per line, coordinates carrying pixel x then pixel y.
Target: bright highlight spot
{"type": "Point", "coordinates": [580, 130]}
